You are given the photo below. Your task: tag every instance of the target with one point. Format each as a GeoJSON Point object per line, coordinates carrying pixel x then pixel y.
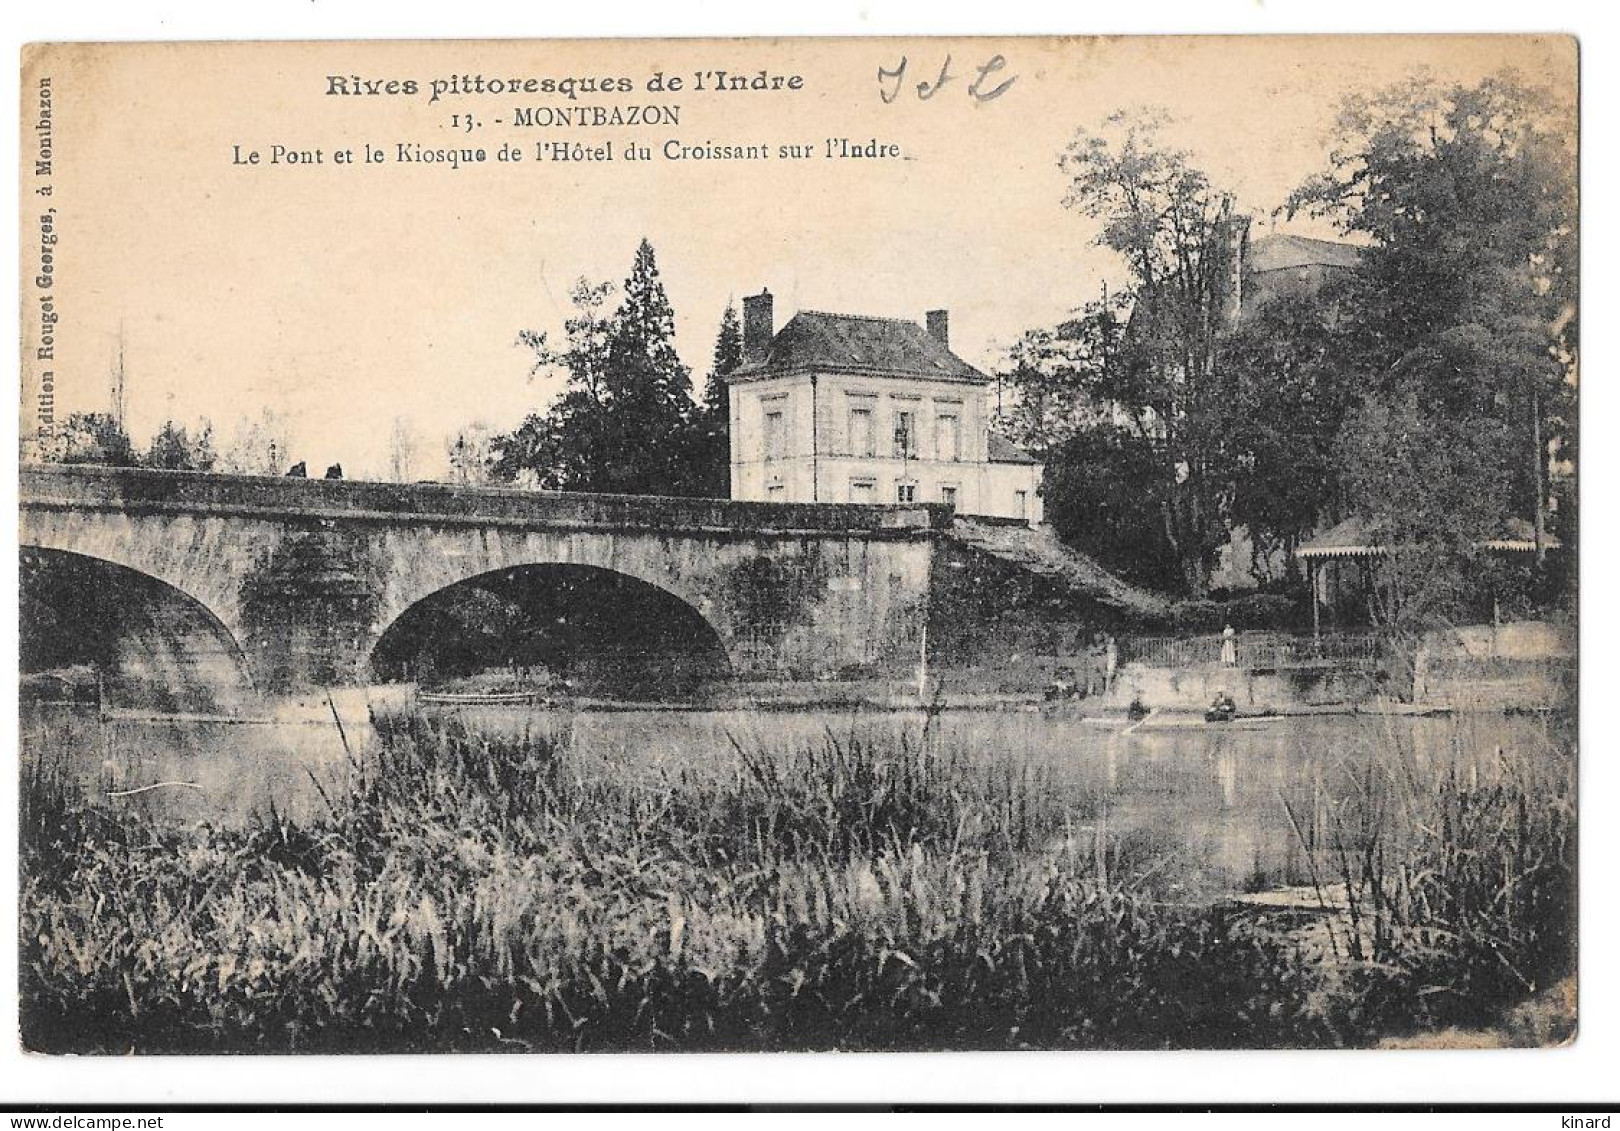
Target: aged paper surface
{"type": "Point", "coordinates": [798, 544]}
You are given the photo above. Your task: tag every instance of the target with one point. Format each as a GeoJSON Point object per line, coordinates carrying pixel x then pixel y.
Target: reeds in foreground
{"type": "Point", "coordinates": [473, 893]}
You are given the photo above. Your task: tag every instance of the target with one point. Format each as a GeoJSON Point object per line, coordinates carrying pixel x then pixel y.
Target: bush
{"type": "Point", "coordinates": [1250, 612]}
{"type": "Point", "coordinates": [1193, 617]}
{"type": "Point", "coordinates": [1262, 611]}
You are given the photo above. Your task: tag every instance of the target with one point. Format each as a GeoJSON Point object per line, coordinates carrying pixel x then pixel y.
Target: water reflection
{"type": "Point", "coordinates": [1227, 808]}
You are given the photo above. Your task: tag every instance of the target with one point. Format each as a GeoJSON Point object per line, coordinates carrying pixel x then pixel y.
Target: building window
{"type": "Point", "coordinates": [863, 490]}
{"type": "Point", "coordinates": [948, 436]}
{"type": "Point", "coordinates": [948, 495]}
{"type": "Point", "coordinates": [1021, 504]}
{"type": "Point", "coordinates": [775, 435]}
{"type": "Point", "coordinates": [905, 493]}
{"type": "Point", "coordinates": [905, 435]}
{"type": "Point", "coordinates": [860, 432]}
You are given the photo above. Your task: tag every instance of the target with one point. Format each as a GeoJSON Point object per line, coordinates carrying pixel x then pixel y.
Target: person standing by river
{"type": "Point", "coordinates": [1228, 647]}
{"type": "Point", "coordinates": [1096, 666]}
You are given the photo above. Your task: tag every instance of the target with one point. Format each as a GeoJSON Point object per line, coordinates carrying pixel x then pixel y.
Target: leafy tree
{"type": "Point", "coordinates": [1431, 491]}
{"type": "Point", "coordinates": [174, 448]}
{"type": "Point", "coordinates": [1104, 494]}
{"type": "Point", "coordinates": [1174, 232]}
{"type": "Point", "coordinates": [95, 437]}
{"type": "Point", "coordinates": [626, 421]}
{"type": "Point", "coordinates": [259, 446]}
{"type": "Point", "coordinates": [1060, 381]}
{"type": "Point", "coordinates": [1465, 303]}
{"type": "Point", "coordinates": [469, 455]}
{"type": "Point", "coordinates": [558, 450]}
{"type": "Point", "coordinates": [1288, 392]}
{"type": "Point", "coordinates": [1460, 333]}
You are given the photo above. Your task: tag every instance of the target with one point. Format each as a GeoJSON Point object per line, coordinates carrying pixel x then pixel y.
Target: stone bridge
{"type": "Point", "coordinates": [290, 584]}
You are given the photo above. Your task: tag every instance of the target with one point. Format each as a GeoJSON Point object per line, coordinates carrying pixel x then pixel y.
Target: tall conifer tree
{"type": "Point", "coordinates": [715, 417]}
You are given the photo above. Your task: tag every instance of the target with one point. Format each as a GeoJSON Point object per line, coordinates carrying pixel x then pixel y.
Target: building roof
{"type": "Point", "coordinates": [849, 343]}
{"type": "Point", "coordinates": [1351, 539]}
{"type": "Point", "coordinates": [1003, 450]}
{"type": "Point", "coordinates": [1346, 540]}
{"type": "Point", "coordinates": [1282, 252]}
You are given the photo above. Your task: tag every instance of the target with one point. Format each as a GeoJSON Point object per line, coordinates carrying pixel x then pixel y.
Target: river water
{"type": "Point", "coordinates": [1225, 807]}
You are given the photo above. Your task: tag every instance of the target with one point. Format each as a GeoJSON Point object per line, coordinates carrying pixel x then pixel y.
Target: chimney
{"type": "Point", "coordinates": [939, 327]}
{"type": "Point", "coordinates": [759, 324]}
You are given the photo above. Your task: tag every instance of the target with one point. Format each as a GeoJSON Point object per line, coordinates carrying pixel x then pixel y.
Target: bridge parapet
{"type": "Point", "coordinates": [130, 490]}
{"type": "Point", "coordinates": [304, 577]}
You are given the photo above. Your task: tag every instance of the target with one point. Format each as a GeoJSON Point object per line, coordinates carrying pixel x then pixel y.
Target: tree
{"type": "Point", "coordinates": [1104, 494]}
{"type": "Point", "coordinates": [95, 437]}
{"type": "Point", "coordinates": [401, 451]}
{"type": "Point", "coordinates": [652, 412]}
{"type": "Point", "coordinates": [1288, 391]}
{"type": "Point", "coordinates": [470, 454]}
{"type": "Point", "coordinates": [1174, 232]}
{"type": "Point", "coordinates": [626, 421]}
{"type": "Point", "coordinates": [174, 448]}
{"type": "Point", "coordinates": [1465, 303]}
{"type": "Point", "coordinates": [1431, 491]}
{"type": "Point", "coordinates": [259, 446]}
{"type": "Point", "coordinates": [714, 416]}
{"type": "Point", "coordinates": [1059, 382]}
{"type": "Point", "coordinates": [1459, 334]}
{"type": "Point", "coordinates": [558, 450]}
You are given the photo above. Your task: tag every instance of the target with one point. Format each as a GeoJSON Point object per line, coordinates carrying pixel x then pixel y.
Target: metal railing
{"type": "Point", "coordinates": [1254, 651]}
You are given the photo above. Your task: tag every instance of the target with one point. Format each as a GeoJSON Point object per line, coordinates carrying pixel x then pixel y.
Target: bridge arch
{"type": "Point", "coordinates": [606, 631]}
{"type": "Point", "coordinates": [152, 644]}
{"type": "Point", "coordinates": [185, 553]}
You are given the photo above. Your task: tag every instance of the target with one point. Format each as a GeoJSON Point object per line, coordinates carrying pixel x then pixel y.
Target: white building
{"type": "Point", "coordinates": [839, 408]}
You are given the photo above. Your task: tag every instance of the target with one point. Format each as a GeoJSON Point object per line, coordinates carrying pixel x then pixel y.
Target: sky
{"type": "Point", "coordinates": [346, 297]}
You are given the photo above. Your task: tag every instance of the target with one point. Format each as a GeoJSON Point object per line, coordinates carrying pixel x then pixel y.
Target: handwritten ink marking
{"type": "Point", "coordinates": [892, 80]}
{"type": "Point", "coordinates": [898, 75]}
{"type": "Point", "coordinates": [925, 91]}
{"type": "Point", "coordinates": [997, 63]}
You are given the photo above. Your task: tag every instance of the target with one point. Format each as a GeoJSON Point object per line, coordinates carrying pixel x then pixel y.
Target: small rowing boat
{"type": "Point", "coordinates": [1158, 722]}
{"type": "Point", "coordinates": [485, 699]}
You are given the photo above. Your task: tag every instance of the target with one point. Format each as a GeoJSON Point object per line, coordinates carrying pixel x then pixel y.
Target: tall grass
{"type": "Point", "coordinates": [464, 891]}
{"type": "Point", "coordinates": [1457, 876]}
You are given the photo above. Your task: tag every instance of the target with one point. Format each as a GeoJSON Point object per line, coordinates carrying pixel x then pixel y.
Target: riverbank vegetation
{"type": "Point", "coordinates": [861, 891]}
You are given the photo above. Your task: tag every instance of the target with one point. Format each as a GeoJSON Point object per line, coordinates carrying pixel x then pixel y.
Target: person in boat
{"type": "Point", "coordinates": [1222, 710]}
{"type": "Point", "coordinates": [1061, 687]}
